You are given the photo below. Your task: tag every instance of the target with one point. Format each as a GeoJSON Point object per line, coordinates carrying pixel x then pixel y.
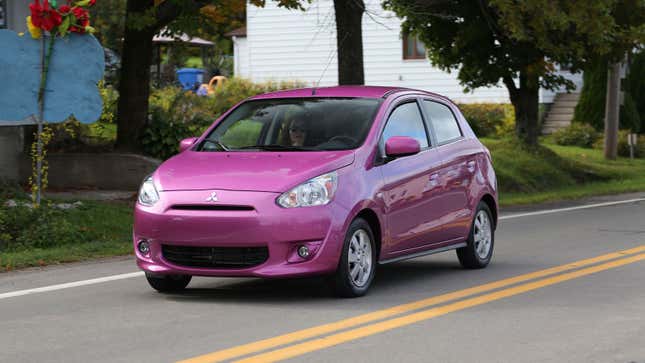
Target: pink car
{"type": "Point", "coordinates": [319, 181]}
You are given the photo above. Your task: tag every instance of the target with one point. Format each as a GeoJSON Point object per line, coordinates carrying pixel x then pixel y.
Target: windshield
{"type": "Point", "coordinates": [292, 124]}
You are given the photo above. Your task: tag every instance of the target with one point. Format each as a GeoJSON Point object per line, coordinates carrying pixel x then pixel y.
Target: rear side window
{"type": "Point", "coordinates": [443, 121]}
{"type": "Point", "coordinates": [406, 120]}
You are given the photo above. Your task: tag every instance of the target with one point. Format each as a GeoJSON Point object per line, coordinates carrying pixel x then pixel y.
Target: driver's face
{"type": "Point", "coordinates": [297, 133]}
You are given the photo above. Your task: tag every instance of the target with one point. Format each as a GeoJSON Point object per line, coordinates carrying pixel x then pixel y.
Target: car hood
{"type": "Point", "coordinates": [253, 171]}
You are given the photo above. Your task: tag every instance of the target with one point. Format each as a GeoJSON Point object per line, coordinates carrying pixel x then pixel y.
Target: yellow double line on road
{"type": "Point", "coordinates": [563, 273]}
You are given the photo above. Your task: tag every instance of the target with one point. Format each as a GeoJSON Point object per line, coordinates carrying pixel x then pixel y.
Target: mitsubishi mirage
{"type": "Point", "coordinates": [319, 181]}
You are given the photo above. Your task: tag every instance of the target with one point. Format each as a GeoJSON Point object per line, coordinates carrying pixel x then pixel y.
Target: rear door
{"type": "Point", "coordinates": [458, 171]}
{"type": "Point", "coordinates": [410, 184]}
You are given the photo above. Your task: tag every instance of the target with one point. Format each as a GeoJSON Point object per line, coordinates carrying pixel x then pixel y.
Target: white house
{"type": "Point", "coordinates": [281, 44]}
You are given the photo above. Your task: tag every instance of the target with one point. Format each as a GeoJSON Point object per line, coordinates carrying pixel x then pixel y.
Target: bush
{"type": "Point", "coordinates": [623, 146]}
{"type": "Point", "coordinates": [489, 119]}
{"type": "Point", "coordinates": [582, 135]}
{"type": "Point", "coordinates": [22, 227]}
{"type": "Point", "coordinates": [174, 115]}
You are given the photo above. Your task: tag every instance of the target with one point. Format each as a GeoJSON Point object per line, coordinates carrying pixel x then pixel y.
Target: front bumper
{"type": "Point", "coordinates": [184, 218]}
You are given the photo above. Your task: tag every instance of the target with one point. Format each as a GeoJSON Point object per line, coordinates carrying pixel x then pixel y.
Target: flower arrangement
{"type": "Point", "coordinates": [59, 20]}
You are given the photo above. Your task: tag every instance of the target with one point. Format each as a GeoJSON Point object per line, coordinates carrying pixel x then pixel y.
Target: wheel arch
{"type": "Point", "coordinates": [492, 205]}
{"type": "Point", "coordinates": [375, 224]}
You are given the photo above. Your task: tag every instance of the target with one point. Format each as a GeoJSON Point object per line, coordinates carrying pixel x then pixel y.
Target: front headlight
{"type": "Point", "coordinates": [148, 194]}
{"type": "Point", "coordinates": [317, 191]}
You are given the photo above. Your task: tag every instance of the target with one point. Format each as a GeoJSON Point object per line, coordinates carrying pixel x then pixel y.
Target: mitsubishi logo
{"type": "Point", "coordinates": [212, 197]}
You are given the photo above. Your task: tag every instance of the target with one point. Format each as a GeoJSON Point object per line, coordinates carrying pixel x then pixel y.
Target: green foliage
{"type": "Point", "coordinates": [636, 85]}
{"type": "Point", "coordinates": [110, 97]}
{"type": "Point", "coordinates": [22, 227]}
{"type": "Point", "coordinates": [577, 134]}
{"type": "Point", "coordinates": [491, 41]}
{"type": "Point", "coordinates": [33, 237]}
{"type": "Point", "coordinates": [489, 119]}
{"type": "Point", "coordinates": [591, 107]}
{"type": "Point", "coordinates": [108, 18]}
{"type": "Point", "coordinates": [235, 90]}
{"type": "Point", "coordinates": [623, 145]}
{"type": "Point", "coordinates": [175, 114]}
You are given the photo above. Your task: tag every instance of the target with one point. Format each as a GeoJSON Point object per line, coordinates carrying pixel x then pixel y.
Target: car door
{"type": "Point", "coordinates": [409, 185]}
{"type": "Point", "coordinates": [458, 171]}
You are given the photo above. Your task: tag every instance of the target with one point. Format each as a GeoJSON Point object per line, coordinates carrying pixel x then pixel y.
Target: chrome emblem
{"type": "Point", "coordinates": [212, 197]}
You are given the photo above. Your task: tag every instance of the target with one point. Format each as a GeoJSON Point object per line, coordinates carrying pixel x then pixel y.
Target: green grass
{"type": "Point", "coordinates": [553, 173]}
{"type": "Point", "coordinates": [103, 229]}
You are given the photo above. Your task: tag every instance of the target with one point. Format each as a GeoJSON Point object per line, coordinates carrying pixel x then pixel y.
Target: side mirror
{"type": "Point", "coordinates": [397, 146]}
{"type": "Point", "coordinates": [186, 143]}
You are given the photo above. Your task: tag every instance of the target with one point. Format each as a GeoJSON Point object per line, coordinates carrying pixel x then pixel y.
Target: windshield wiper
{"type": "Point", "coordinates": [274, 147]}
{"type": "Point", "coordinates": [216, 142]}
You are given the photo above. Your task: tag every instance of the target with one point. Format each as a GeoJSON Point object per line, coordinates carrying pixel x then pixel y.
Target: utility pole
{"type": "Point", "coordinates": [612, 111]}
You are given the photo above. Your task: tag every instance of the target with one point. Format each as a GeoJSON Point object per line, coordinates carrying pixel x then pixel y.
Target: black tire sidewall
{"type": "Point", "coordinates": [471, 240]}
{"type": "Point", "coordinates": [344, 284]}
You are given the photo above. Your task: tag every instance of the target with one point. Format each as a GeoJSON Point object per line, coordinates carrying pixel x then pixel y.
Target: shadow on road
{"type": "Point", "coordinates": [390, 279]}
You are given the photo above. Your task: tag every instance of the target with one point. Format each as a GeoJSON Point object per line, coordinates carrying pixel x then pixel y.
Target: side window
{"type": "Point", "coordinates": [443, 121]}
{"type": "Point", "coordinates": [406, 120]}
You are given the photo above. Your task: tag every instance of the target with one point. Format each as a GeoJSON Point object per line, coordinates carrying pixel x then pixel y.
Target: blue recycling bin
{"type": "Point", "coordinates": [190, 78]}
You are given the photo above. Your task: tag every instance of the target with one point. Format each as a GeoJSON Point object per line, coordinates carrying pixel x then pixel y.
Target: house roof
{"type": "Point", "coordinates": [340, 91]}
{"type": "Point", "coordinates": [239, 32]}
{"type": "Point", "coordinates": [181, 38]}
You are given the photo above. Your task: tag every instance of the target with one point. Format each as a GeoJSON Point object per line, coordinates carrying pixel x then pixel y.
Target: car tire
{"type": "Point", "coordinates": [168, 283]}
{"type": "Point", "coordinates": [481, 240]}
{"type": "Point", "coordinates": [357, 264]}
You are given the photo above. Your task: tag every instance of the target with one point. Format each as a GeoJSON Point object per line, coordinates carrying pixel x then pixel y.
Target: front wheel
{"type": "Point", "coordinates": [479, 249]}
{"type": "Point", "coordinates": [357, 262]}
{"type": "Point", "coordinates": [168, 283]}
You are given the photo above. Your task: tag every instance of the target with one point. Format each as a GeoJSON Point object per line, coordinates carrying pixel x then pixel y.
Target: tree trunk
{"type": "Point", "coordinates": [612, 111]}
{"type": "Point", "coordinates": [526, 100]}
{"type": "Point", "coordinates": [134, 83]}
{"type": "Point", "coordinates": [349, 40]}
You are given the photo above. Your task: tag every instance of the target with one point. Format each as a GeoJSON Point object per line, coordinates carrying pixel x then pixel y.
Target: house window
{"type": "Point", "coordinates": [413, 48]}
{"type": "Point", "coordinates": [3, 14]}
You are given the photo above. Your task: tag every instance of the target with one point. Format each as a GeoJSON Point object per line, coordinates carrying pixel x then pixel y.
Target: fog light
{"type": "Point", "coordinates": [144, 247]}
{"type": "Point", "coordinates": [303, 251]}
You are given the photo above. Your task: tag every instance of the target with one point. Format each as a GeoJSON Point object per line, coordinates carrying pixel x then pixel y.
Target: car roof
{"type": "Point", "coordinates": [342, 91]}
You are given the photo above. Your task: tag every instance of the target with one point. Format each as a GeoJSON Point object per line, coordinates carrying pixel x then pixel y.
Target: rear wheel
{"type": "Point", "coordinates": [357, 262]}
{"type": "Point", "coordinates": [479, 249]}
{"type": "Point", "coordinates": [168, 283]}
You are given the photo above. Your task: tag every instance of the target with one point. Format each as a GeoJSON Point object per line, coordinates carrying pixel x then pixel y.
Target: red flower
{"type": "Point", "coordinates": [82, 20]}
{"type": "Point", "coordinates": [43, 16]}
{"type": "Point", "coordinates": [64, 9]}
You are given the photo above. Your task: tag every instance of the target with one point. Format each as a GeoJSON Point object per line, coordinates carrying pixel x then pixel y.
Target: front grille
{"type": "Point", "coordinates": [215, 257]}
{"type": "Point", "coordinates": [203, 207]}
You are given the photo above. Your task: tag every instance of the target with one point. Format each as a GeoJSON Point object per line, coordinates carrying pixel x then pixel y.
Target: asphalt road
{"type": "Point", "coordinates": [590, 311]}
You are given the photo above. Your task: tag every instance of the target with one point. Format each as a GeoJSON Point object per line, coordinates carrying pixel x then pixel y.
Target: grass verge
{"type": "Point", "coordinates": [552, 173]}
{"type": "Point", "coordinates": [37, 238]}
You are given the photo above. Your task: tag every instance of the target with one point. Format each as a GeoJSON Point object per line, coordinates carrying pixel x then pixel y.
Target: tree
{"type": "Point", "coordinates": [144, 19]}
{"type": "Point", "coordinates": [518, 43]}
{"type": "Point", "coordinates": [349, 41]}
